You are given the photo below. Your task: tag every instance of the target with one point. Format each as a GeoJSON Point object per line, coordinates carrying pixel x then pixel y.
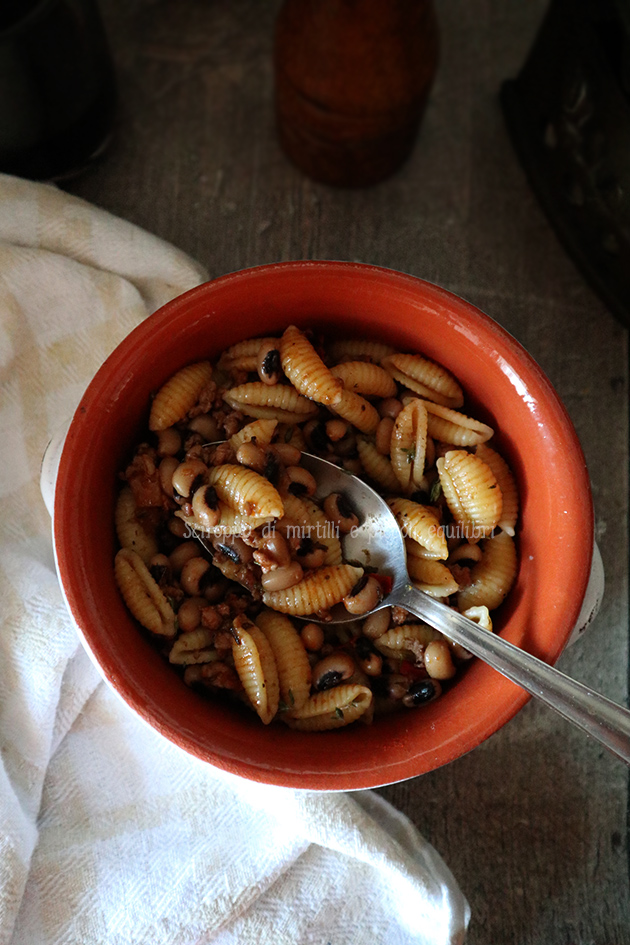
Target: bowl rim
{"type": "Point", "coordinates": [513, 698]}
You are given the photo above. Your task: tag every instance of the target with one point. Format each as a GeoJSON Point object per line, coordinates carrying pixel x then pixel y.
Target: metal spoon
{"type": "Point", "coordinates": [378, 542]}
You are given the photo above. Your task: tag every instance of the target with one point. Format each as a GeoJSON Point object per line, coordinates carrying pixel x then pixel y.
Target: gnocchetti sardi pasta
{"type": "Point", "coordinates": [242, 615]}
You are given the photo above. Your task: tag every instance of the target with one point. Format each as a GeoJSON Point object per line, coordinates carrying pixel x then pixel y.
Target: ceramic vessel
{"type": "Point", "coordinates": [503, 385]}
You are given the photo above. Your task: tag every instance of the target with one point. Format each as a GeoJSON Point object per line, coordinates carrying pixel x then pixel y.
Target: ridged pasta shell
{"type": "Point", "coordinates": [450, 426]}
{"type": "Point", "coordinates": [130, 532]}
{"type": "Point", "coordinates": [347, 349]}
{"type": "Point", "coordinates": [314, 524]}
{"type": "Point", "coordinates": [432, 577]}
{"type": "Point", "coordinates": [246, 491]}
{"type": "Point", "coordinates": [294, 669]}
{"type": "Point", "coordinates": [425, 377]}
{"type": "Point", "coordinates": [465, 552]}
{"type": "Point", "coordinates": [193, 648]}
{"type": "Point", "coordinates": [332, 708]}
{"type": "Point", "coordinates": [142, 595]}
{"type": "Point", "coordinates": [481, 616]}
{"type": "Point", "coordinates": [256, 668]}
{"type": "Point", "coordinates": [291, 433]}
{"type": "Point", "coordinates": [414, 550]}
{"type": "Point", "coordinates": [278, 402]}
{"type": "Point", "coordinates": [363, 377]}
{"type": "Point", "coordinates": [261, 430]}
{"type": "Point", "coordinates": [243, 356]}
{"type": "Point", "coordinates": [231, 522]}
{"type": "Point", "coordinates": [377, 467]}
{"type": "Point", "coordinates": [406, 641]}
{"type": "Point", "coordinates": [421, 523]}
{"type": "Point", "coordinates": [493, 576]}
{"type": "Point", "coordinates": [472, 493]}
{"type": "Point", "coordinates": [408, 445]}
{"type": "Point", "coordinates": [317, 591]}
{"type": "Point", "coordinates": [179, 395]}
{"type": "Point", "coordinates": [507, 485]}
{"type": "Point", "coordinates": [358, 411]}
{"type": "Point", "coordinates": [306, 370]}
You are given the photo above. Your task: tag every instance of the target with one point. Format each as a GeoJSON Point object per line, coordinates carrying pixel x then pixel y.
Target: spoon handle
{"type": "Point", "coordinates": [598, 716]}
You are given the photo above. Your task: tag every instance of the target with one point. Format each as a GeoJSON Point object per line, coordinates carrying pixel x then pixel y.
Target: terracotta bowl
{"type": "Point", "coordinates": [504, 387]}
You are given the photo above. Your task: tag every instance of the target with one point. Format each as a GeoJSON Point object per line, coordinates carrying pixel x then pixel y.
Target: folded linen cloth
{"type": "Point", "coordinates": [109, 833]}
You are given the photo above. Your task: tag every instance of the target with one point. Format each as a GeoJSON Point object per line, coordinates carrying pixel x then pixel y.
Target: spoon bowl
{"type": "Point", "coordinates": [378, 543]}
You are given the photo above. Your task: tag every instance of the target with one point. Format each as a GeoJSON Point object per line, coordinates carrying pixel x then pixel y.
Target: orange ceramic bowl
{"type": "Point", "coordinates": [504, 387]}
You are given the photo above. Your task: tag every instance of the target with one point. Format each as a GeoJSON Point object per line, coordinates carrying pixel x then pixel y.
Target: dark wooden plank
{"type": "Point", "coordinates": [533, 822]}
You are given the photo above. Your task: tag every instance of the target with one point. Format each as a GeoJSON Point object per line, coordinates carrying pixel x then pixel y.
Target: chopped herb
{"type": "Point", "coordinates": [436, 491]}
{"type": "Point", "coordinates": [288, 434]}
{"type": "Point", "coordinates": [291, 697]}
{"type": "Point", "coordinates": [339, 713]}
{"type": "Point", "coordinates": [411, 454]}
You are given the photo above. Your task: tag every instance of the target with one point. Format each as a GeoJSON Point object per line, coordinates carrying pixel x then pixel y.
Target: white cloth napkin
{"type": "Point", "coordinates": [109, 833]}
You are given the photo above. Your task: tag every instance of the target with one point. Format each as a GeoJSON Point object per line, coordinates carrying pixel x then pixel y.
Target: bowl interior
{"type": "Point", "coordinates": [503, 386]}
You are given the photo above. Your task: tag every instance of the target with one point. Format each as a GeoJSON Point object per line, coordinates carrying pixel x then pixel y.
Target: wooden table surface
{"type": "Point", "coordinates": [533, 823]}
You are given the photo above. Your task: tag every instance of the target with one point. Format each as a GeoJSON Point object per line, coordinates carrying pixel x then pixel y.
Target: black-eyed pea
{"type": "Point", "coordinates": [287, 454]}
{"type": "Point", "coordinates": [364, 596]}
{"type": "Point", "coordinates": [215, 592]}
{"type": "Point", "coordinates": [438, 661]}
{"type": "Point", "coordinates": [338, 510]}
{"type": "Point", "coordinates": [315, 435]}
{"type": "Point", "coordinates": [458, 651]}
{"type": "Point", "coordinates": [169, 442]}
{"type": "Point", "coordinates": [193, 675]}
{"type": "Point", "coordinates": [421, 692]}
{"type": "Point", "coordinates": [372, 664]}
{"type": "Point", "coordinates": [281, 578]}
{"type": "Point", "coordinates": [195, 574]}
{"type": "Point", "coordinates": [347, 446]}
{"type": "Point", "coordinates": [376, 624]}
{"type": "Point", "coordinates": [160, 568]}
{"type": "Point", "coordinates": [205, 425]}
{"type": "Point", "coordinates": [336, 430]}
{"type": "Point", "coordinates": [390, 407]}
{"type": "Point", "coordinates": [269, 365]}
{"type": "Point", "coordinates": [177, 527]}
{"type": "Point", "coordinates": [245, 553]}
{"type": "Point", "coordinates": [312, 636]}
{"type": "Point", "coordinates": [333, 670]}
{"type": "Point", "coordinates": [311, 554]}
{"type": "Point", "coordinates": [277, 547]}
{"type": "Point", "coordinates": [300, 481]}
{"type": "Point", "coordinates": [383, 436]}
{"type": "Point", "coordinates": [252, 455]}
{"type": "Point", "coordinates": [397, 686]}
{"type": "Point", "coordinates": [205, 506]}
{"type": "Point", "coordinates": [183, 553]}
{"type": "Point", "coordinates": [188, 476]}
{"type": "Point", "coordinates": [189, 613]}
{"type": "Point", "coordinates": [166, 471]}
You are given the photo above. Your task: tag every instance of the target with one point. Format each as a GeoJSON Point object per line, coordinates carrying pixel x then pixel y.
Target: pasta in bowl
{"type": "Point", "coordinates": [477, 456]}
{"type": "Point", "coordinates": [224, 542]}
